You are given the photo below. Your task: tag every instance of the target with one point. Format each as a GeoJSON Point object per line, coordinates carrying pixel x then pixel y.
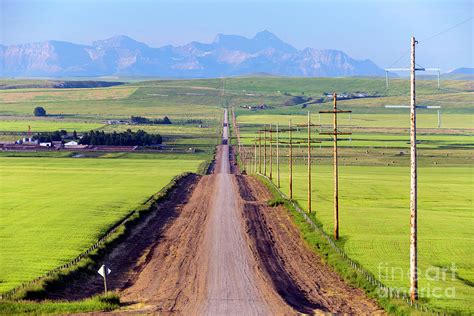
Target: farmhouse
{"type": "Point", "coordinates": [27, 141]}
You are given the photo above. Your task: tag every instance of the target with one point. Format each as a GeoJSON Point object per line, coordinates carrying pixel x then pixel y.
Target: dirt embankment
{"type": "Point", "coordinates": [169, 277]}
{"type": "Point", "coordinates": [302, 279]}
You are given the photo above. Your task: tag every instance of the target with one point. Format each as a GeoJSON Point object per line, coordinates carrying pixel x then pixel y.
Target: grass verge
{"type": "Point", "coordinates": [107, 302]}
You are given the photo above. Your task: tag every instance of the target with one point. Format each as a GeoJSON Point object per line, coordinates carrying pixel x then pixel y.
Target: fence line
{"type": "Point", "coordinates": [154, 198]}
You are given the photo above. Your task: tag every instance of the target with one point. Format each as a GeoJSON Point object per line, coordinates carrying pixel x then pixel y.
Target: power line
{"type": "Point", "coordinates": [446, 30]}
{"type": "Point", "coordinates": [399, 58]}
{"type": "Point", "coordinates": [405, 53]}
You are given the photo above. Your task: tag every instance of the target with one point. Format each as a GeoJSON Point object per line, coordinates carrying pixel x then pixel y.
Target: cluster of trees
{"type": "Point", "coordinates": [144, 120]}
{"type": "Point", "coordinates": [48, 137]}
{"type": "Point", "coordinates": [127, 138]}
{"type": "Point", "coordinates": [193, 121]}
{"type": "Point", "coordinates": [296, 100]}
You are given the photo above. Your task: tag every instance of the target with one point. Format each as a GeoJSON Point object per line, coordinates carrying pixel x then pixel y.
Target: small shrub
{"type": "Point", "coordinates": [39, 111]}
{"type": "Point", "coordinates": [275, 202]}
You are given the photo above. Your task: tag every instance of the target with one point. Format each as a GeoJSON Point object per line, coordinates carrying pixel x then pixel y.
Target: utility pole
{"type": "Point", "coordinates": [271, 153]}
{"type": "Point", "coordinates": [243, 153]}
{"type": "Point", "coordinates": [265, 150]}
{"type": "Point", "coordinates": [309, 161]}
{"type": "Point", "coordinates": [255, 156]}
{"type": "Point", "coordinates": [336, 175]}
{"type": "Point", "coordinates": [309, 142]}
{"type": "Point", "coordinates": [278, 156]}
{"type": "Point", "coordinates": [290, 156]}
{"type": "Point", "coordinates": [439, 119]}
{"type": "Point", "coordinates": [413, 182]}
{"type": "Point", "coordinates": [260, 151]}
{"type": "Point", "coordinates": [290, 160]}
{"type": "Point", "coordinates": [334, 133]}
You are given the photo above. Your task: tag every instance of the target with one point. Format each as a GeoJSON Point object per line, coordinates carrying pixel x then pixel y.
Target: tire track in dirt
{"type": "Point", "coordinates": [305, 282]}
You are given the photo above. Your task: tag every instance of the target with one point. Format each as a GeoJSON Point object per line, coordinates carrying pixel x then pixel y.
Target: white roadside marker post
{"type": "Point", "coordinates": [104, 272]}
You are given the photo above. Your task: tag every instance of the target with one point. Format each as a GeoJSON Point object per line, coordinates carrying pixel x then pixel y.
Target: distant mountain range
{"type": "Point", "coordinates": [227, 55]}
{"type": "Point", "coordinates": [462, 71]}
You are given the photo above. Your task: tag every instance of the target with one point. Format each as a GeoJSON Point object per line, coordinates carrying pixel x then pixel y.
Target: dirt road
{"type": "Point", "coordinates": [234, 255]}
{"type": "Point", "coordinates": [232, 286]}
{"type": "Point", "coordinates": [216, 248]}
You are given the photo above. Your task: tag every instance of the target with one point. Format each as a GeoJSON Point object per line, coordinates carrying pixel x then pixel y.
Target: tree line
{"type": "Point", "coordinates": [127, 138]}
{"type": "Point", "coordinates": [144, 120]}
{"type": "Point", "coordinates": [48, 137]}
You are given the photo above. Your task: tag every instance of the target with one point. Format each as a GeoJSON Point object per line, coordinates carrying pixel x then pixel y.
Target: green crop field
{"type": "Point", "coordinates": [55, 208]}
{"type": "Point", "coordinates": [47, 125]}
{"type": "Point", "coordinates": [45, 194]}
{"type": "Point", "coordinates": [374, 177]}
{"type": "Point", "coordinates": [54, 95]}
{"type": "Point", "coordinates": [374, 223]}
{"type": "Point", "coordinates": [376, 120]}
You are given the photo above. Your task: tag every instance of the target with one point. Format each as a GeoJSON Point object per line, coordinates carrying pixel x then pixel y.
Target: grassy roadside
{"type": "Point", "coordinates": [319, 244]}
{"type": "Point", "coordinates": [97, 303]}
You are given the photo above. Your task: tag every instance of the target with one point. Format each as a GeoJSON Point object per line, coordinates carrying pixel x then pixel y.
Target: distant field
{"type": "Point", "coordinates": [47, 125]}
{"type": "Point", "coordinates": [168, 129]}
{"type": "Point", "coordinates": [55, 95]}
{"type": "Point", "coordinates": [374, 217]}
{"type": "Point", "coordinates": [55, 208]}
{"type": "Point", "coordinates": [100, 109]}
{"type": "Point", "coordinates": [394, 120]}
{"type": "Point", "coordinates": [311, 86]}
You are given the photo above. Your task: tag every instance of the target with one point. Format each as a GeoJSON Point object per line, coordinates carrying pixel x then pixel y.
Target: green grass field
{"type": "Point", "coordinates": [47, 125]}
{"type": "Point", "coordinates": [374, 180]}
{"type": "Point", "coordinates": [374, 223]}
{"type": "Point", "coordinates": [53, 209]}
{"type": "Point", "coordinates": [425, 120]}
{"type": "Point", "coordinates": [44, 197]}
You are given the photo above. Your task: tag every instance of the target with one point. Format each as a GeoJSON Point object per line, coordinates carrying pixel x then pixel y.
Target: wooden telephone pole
{"type": "Point", "coordinates": [413, 182]}
{"type": "Point", "coordinates": [278, 155]}
{"type": "Point", "coordinates": [413, 169]}
{"type": "Point", "coordinates": [260, 151]}
{"type": "Point", "coordinates": [309, 142]}
{"type": "Point", "coordinates": [290, 157]}
{"type": "Point", "coordinates": [334, 133]}
{"type": "Point", "coordinates": [271, 153]}
{"type": "Point", "coordinates": [255, 156]}
{"type": "Point", "coordinates": [265, 150]}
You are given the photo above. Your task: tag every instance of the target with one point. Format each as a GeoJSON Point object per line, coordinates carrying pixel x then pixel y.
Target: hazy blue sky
{"type": "Point", "coordinates": [378, 30]}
